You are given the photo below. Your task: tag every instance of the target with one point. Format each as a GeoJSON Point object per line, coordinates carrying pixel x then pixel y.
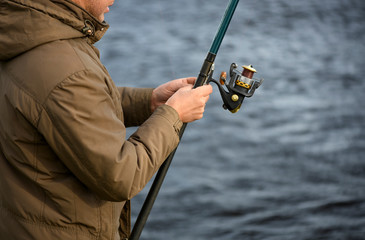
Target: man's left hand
{"type": "Point", "coordinates": [163, 92]}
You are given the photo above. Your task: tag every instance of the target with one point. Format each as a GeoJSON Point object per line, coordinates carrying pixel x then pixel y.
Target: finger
{"type": "Point", "coordinates": [204, 90]}
{"type": "Point", "coordinates": [190, 80]}
{"type": "Point", "coordinates": [181, 82]}
{"type": "Point", "coordinates": [206, 98]}
{"type": "Point", "coordinates": [186, 88]}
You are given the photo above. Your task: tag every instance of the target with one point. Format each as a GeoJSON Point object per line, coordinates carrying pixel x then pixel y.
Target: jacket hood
{"type": "Point", "coordinates": [25, 24]}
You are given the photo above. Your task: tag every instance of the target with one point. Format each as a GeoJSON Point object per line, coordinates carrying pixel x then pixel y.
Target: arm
{"type": "Point", "coordinates": [81, 121]}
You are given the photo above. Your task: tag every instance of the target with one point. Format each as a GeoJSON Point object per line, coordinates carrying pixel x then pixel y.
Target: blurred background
{"type": "Point", "coordinates": [291, 163]}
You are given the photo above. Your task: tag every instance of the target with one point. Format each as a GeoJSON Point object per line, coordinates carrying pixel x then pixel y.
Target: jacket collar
{"type": "Point", "coordinates": [92, 27]}
{"type": "Point", "coordinates": [30, 23]}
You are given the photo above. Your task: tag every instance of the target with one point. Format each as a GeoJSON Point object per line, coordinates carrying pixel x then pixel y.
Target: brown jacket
{"type": "Point", "coordinates": [66, 167]}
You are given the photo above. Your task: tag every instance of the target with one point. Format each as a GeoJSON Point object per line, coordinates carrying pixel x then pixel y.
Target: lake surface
{"type": "Point", "coordinates": [291, 163]}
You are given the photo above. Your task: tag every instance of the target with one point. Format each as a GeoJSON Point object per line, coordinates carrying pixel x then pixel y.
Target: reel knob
{"type": "Point", "coordinates": [223, 78]}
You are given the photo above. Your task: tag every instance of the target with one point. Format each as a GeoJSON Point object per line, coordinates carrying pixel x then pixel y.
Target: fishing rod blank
{"type": "Point", "coordinates": [202, 79]}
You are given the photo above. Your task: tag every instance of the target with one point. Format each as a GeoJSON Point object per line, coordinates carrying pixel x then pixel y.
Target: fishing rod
{"type": "Point", "coordinates": [241, 85]}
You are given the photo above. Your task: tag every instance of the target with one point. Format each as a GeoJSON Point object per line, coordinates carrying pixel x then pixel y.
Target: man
{"type": "Point", "coordinates": [66, 169]}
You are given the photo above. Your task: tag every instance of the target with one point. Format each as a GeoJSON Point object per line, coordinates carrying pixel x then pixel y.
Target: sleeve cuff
{"type": "Point", "coordinates": [171, 115]}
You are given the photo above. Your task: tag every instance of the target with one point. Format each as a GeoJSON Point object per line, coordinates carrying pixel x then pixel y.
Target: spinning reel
{"type": "Point", "coordinates": [241, 85]}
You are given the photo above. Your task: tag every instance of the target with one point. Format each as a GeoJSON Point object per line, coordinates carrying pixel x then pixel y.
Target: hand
{"type": "Point", "coordinates": [190, 103]}
{"type": "Point", "coordinates": [162, 93]}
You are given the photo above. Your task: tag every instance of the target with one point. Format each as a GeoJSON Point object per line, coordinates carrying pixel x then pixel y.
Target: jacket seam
{"type": "Point", "coordinates": [48, 13]}
{"type": "Point", "coordinates": [35, 162]}
{"type": "Point", "coordinates": [58, 85]}
{"type": "Point", "coordinates": [21, 88]}
{"type": "Point", "coordinates": [78, 56]}
{"type": "Point", "coordinates": [75, 211]}
{"type": "Point", "coordinates": [99, 216]}
{"type": "Point", "coordinates": [113, 222]}
{"type": "Point", "coordinates": [35, 121]}
{"type": "Point", "coordinates": [38, 10]}
{"type": "Point", "coordinates": [43, 224]}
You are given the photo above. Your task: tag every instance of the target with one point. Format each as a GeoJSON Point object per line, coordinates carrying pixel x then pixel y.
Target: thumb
{"type": "Point", "coordinates": [186, 88]}
{"type": "Point", "coordinates": [204, 90]}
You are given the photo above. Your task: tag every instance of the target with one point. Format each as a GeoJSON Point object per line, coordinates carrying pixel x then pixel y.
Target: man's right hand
{"type": "Point", "coordinates": [189, 102]}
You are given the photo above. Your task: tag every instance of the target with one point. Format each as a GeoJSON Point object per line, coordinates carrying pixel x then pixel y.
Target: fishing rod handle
{"type": "Point", "coordinates": [206, 70]}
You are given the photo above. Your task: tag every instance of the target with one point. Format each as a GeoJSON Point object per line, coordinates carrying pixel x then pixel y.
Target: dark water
{"type": "Point", "coordinates": [291, 163]}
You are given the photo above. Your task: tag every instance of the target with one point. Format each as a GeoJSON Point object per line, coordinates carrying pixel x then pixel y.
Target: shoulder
{"type": "Point", "coordinates": [41, 69]}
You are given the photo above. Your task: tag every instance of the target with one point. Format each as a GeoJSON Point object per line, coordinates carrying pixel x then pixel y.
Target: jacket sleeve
{"type": "Point", "coordinates": [136, 105]}
{"type": "Point", "coordinates": [81, 122]}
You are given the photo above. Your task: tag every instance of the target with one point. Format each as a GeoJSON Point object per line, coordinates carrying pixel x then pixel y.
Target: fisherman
{"type": "Point", "coordinates": [67, 170]}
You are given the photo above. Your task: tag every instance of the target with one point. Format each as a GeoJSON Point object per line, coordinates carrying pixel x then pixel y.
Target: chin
{"type": "Point", "coordinates": [101, 18]}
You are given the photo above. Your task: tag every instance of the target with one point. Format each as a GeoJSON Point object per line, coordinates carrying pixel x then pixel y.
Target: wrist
{"type": "Point", "coordinates": [173, 105]}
